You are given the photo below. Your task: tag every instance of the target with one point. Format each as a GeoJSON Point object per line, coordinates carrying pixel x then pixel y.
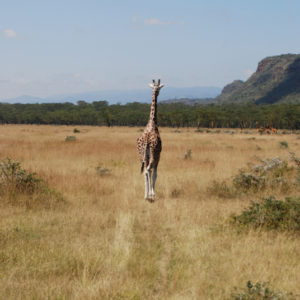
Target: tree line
{"type": "Point", "coordinates": [136, 114]}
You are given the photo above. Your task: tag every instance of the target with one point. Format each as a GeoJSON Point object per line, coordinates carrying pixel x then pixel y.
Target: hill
{"type": "Point", "coordinates": [123, 96]}
{"type": "Point", "coordinates": [276, 80]}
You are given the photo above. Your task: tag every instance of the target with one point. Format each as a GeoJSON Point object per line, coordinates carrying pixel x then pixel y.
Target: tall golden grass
{"type": "Point", "coordinates": [107, 242]}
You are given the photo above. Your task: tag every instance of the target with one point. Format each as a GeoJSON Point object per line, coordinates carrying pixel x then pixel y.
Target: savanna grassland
{"type": "Point", "coordinates": [102, 240]}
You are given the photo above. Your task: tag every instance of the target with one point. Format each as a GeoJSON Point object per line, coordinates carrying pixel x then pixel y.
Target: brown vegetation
{"type": "Point", "coordinates": [109, 243]}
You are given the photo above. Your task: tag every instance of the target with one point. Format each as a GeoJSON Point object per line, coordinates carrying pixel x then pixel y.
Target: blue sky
{"type": "Point", "coordinates": [69, 46]}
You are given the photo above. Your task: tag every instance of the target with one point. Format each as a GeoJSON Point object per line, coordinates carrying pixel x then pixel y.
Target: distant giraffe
{"type": "Point", "coordinates": [268, 129]}
{"type": "Point", "coordinates": [149, 146]}
{"type": "Point", "coordinates": [274, 130]}
{"type": "Point", "coordinates": [260, 129]}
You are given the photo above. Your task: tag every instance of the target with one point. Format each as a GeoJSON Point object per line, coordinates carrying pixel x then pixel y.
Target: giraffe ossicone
{"type": "Point", "coordinates": [149, 145]}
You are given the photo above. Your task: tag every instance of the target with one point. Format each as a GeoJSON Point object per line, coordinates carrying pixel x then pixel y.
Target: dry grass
{"type": "Point", "coordinates": [108, 243]}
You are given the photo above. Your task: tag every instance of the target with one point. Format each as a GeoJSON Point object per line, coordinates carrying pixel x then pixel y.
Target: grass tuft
{"type": "Point", "coordinates": [260, 291]}
{"type": "Point", "coordinates": [70, 138]}
{"type": "Point", "coordinates": [188, 154]}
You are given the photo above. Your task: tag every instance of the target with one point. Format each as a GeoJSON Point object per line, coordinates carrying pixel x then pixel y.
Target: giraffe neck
{"type": "Point", "coordinates": [153, 110]}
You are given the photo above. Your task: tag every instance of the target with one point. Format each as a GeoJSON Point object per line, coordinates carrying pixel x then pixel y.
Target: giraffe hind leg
{"type": "Point", "coordinates": [145, 157]}
{"type": "Point", "coordinates": [146, 174]}
{"type": "Point", "coordinates": [154, 176]}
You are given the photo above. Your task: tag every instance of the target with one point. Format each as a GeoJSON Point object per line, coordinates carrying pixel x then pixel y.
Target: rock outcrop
{"type": "Point", "coordinates": [276, 80]}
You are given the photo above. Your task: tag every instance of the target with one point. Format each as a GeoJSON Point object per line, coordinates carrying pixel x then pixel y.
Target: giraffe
{"type": "Point", "coordinates": [260, 129]}
{"type": "Point", "coordinates": [273, 130]}
{"type": "Point", "coordinates": [149, 145]}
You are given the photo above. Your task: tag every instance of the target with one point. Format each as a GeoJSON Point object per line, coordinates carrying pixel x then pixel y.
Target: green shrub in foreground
{"type": "Point", "coordinates": [271, 214]}
{"type": "Point", "coordinates": [22, 188]}
{"type": "Point", "coordinates": [260, 291]}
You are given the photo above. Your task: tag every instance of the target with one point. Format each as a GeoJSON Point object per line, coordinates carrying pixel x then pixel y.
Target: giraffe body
{"type": "Point", "coordinates": [149, 146]}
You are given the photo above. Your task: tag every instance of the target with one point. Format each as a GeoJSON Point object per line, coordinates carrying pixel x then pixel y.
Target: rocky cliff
{"type": "Point", "coordinates": [276, 80]}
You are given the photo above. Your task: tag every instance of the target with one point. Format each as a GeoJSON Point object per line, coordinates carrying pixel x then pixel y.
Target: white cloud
{"type": "Point", "coordinates": [12, 34]}
{"type": "Point", "coordinates": [9, 33]}
{"type": "Point", "coordinates": [154, 22]}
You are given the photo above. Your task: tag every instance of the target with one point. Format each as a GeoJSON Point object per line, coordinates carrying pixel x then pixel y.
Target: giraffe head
{"type": "Point", "coordinates": [156, 86]}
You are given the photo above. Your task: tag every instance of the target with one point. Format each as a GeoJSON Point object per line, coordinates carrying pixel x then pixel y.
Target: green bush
{"type": "Point", "coordinates": [75, 130]}
{"type": "Point", "coordinates": [70, 138]}
{"type": "Point", "coordinates": [176, 131]}
{"type": "Point", "coordinates": [271, 214]}
{"type": "Point", "coordinates": [14, 178]}
{"type": "Point", "coordinates": [271, 173]}
{"type": "Point", "coordinates": [247, 181]}
{"type": "Point", "coordinates": [283, 144]}
{"type": "Point", "coordinates": [260, 291]}
{"type": "Point", "coordinates": [296, 160]}
{"type": "Point", "coordinates": [23, 188]}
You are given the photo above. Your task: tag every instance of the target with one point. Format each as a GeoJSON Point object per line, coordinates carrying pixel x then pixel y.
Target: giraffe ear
{"type": "Point", "coordinates": [161, 86]}
{"type": "Point", "coordinates": [151, 85]}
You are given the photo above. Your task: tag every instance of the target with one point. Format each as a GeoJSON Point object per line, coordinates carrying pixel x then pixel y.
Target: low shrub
{"type": "Point", "coordinates": [175, 193]}
{"type": "Point", "coordinates": [14, 178]}
{"type": "Point", "coordinates": [70, 138]}
{"type": "Point", "coordinates": [221, 189]}
{"type": "Point", "coordinates": [75, 130]}
{"type": "Point", "coordinates": [188, 154]}
{"type": "Point", "coordinates": [296, 160]}
{"type": "Point", "coordinates": [247, 181]}
{"type": "Point", "coordinates": [231, 132]}
{"type": "Point", "coordinates": [102, 171]}
{"type": "Point", "coordinates": [274, 174]}
{"type": "Point", "coordinates": [283, 144]}
{"type": "Point", "coordinates": [270, 173]}
{"type": "Point", "coordinates": [271, 214]}
{"type": "Point", "coordinates": [23, 188]}
{"type": "Point", "coordinates": [260, 291]}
